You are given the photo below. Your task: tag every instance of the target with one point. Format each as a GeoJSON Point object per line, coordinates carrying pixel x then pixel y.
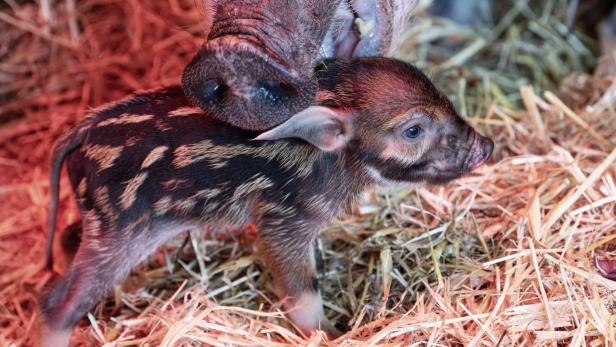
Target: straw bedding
{"type": "Point", "coordinates": [511, 255]}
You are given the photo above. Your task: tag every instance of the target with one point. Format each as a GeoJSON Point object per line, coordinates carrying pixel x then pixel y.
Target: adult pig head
{"type": "Point", "coordinates": [255, 69]}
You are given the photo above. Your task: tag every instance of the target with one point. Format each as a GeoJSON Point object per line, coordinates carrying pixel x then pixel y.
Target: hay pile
{"type": "Point", "coordinates": [504, 257]}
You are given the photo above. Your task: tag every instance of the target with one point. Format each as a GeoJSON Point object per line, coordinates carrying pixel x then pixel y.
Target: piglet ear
{"type": "Point", "coordinates": [323, 127]}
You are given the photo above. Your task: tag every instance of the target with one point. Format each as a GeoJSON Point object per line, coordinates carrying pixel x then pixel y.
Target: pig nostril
{"type": "Point", "coordinates": [275, 92]}
{"type": "Point", "coordinates": [452, 141]}
{"type": "Point", "coordinates": [212, 91]}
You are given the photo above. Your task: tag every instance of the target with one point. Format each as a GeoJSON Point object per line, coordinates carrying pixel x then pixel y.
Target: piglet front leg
{"type": "Point", "coordinates": [288, 250]}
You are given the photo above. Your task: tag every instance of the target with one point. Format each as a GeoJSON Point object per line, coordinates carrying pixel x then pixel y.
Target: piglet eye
{"type": "Point", "coordinates": [413, 132]}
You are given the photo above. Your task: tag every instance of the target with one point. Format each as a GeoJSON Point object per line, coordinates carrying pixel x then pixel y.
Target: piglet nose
{"type": "Point", "coordinates": [480, 151]}
{"type": "Point", "coordinates": [488, 147]}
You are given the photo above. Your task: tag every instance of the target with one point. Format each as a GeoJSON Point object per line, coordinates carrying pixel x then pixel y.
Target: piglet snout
{"type": "Point", "coordinates": [480, 152]}
{"type": "Point", "coordinates": [487, 146]}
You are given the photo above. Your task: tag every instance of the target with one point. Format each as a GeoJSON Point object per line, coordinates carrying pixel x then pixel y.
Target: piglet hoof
{"type": "Point", "coordinates": [49, 337]}
{"type": "Point", "coordinates": [324, 326]}
{"type": "Point", "coordinates": [308, 316]}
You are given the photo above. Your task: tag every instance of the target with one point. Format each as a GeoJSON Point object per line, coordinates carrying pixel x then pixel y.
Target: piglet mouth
{"type": "Point", "coordinates": [479, 152]}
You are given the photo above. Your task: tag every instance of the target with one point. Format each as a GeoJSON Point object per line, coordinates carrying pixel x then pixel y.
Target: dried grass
{"type": "Point", "coordinates": [503, 257]}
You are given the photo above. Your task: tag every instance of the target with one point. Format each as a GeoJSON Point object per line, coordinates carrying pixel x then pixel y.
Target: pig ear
{"type": "Point", "coordinates": [323, 127]}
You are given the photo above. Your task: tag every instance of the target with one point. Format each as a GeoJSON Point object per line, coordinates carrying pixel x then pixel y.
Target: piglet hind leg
{"type": "Point", "coordinates": [104, 258]}
{"type": "Point", "coordinates": [290, 255]}
{"type": "Point", "coordinates": [90, 276]}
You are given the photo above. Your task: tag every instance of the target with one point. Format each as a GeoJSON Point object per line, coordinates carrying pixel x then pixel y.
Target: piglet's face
{"type": "Point", "coordinates": [420, 146]}
{"type": "Point", "coordinates": [391, 120]}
